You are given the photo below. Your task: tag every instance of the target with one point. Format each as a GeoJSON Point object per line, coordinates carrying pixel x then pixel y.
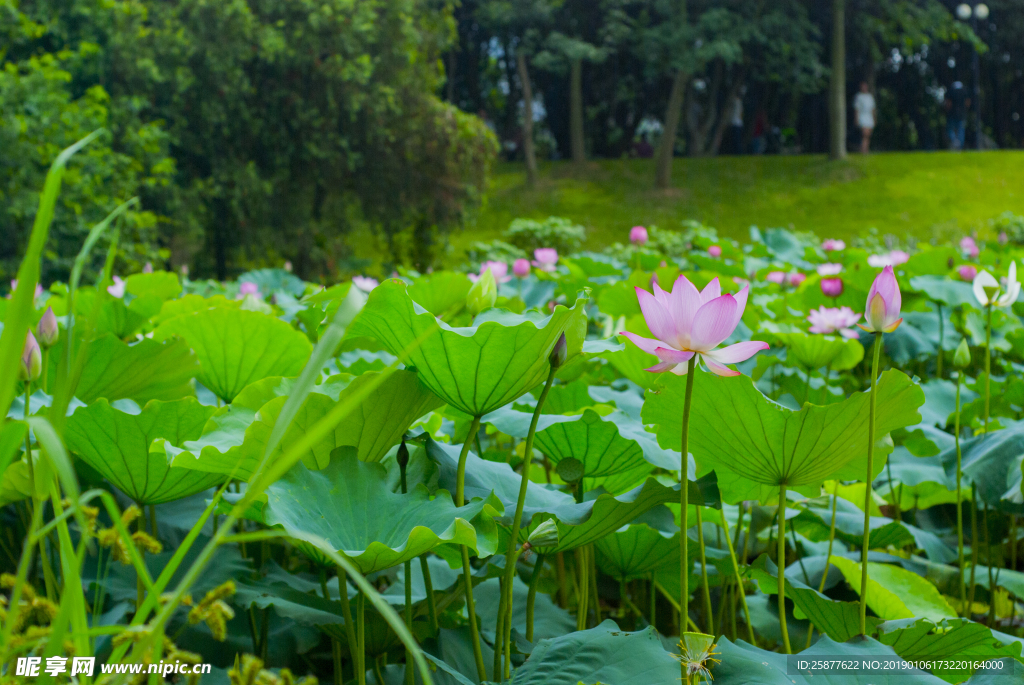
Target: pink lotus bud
{"type": "Point", "coordinates": [638, 235]}
{"type": "Point", "coordinates": [116, 290]}
{"type": "Point", "coordinates": [968, 246]}
{"type": "Point", "coordinates": [147, 268]}
{"type": "Point", "coordinates": [521, 268]}
{"type": "Point", "coordinates": [715, 251]}
{"type": "Point", "coordinates": [832, 287]}
{"type": "Point", "coordinates": [248, 288]}
{"type": "Point", "coordinates": [967, 272]}
{"type": "Point", "coordinates": [31, 358]}
{"type": "Point", "coordinates": [796, 278]}
{"type": "Point", "coordinates": [545, 258]}
{"type": "Point", "coordinates": [48, 329]}
{"type": "Point", "coordinates": [882, 309]}
{"type": "Point", "coordinates": [832, 245]}
{"type": "Point", "coordinates": [776, 277]}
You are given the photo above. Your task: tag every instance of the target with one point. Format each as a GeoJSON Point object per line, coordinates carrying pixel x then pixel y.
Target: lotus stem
{"type": "Point", "coordinates": [532, 595]}
{"type": "Point", "coordinates": [704, 574]}
{"type": "Point", "coordinates": [505, 610]}
{"type": "Point", "coordinates": [563, 590]}
{"type": "Point", "coordinates": [403, 463]}
{"type": "Point", "coordinates": [892, 491]}
{"type": "Point", "coordinates": [499, 632]}
{"type": "Point", "coordinates": [467, 569]}
{"type": "Point", "coordinates": [653, 601]}
{"type": "Point", "coordinates": [428, 584]}
{"type": "Point", "coordinates": [335, 647]}
{"type": "Point", "coordinates": [988, 565]}
{"type": "Point", "coordinates": [346, 612]}
{"type": "Point", "coordinates": [828, 556]}
{"type": "Point", "coordinates": [965, 608]}
{"type": "Point", "coordinates": [583, 590]}
{"type": "Point", "coordinates": [988, 360]}
{"type": "Point", "coordinates": [867, 488]}
{"type": "Point", "coordinates": [684, 558]}
{"type": "Point", "coordinates": [807, 387]}
{"type": "Point", "coordinates": [938, 361]}
{"type": "Point", "coordinates": [782, 568]}
{"type": "Point", "coordinates": [592, 560]}
{"type": "Point", "coordinates": [361, 637]}
{"type": "Point", "coordinates": [974, 544]}
{"type": "Point", "coordinates": [736, 571]}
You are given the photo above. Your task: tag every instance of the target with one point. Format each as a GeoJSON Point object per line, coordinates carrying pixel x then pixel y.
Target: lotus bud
{"type": "Point", "coordinates": [962, 356]}
{"type": "Point", "coordinates": [832, 287]}
{"type": "Point", "coordinates": [559, 352]}
{"type": "Point", "coordinates": [48, 330]}
{"type": "Point", "coordinates": [521, 268]}
{"type": "Point", "coordinates": [715, 251]}
{"type": "Point", "coordinates": [31, 358]}
{"type": "Point", "coordinates": [638, 235]}
{"type": "Point", "coordinates": [544, 535]}
{"type": "Point", "coordinates": [403, 455]}
{"type": "Point", "coordinates": [483, 294]}
{"type": "Point", "coordinates": [882, 308]}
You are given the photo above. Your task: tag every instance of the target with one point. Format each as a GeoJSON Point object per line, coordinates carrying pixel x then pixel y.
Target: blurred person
{"type": "Point", "coordinates": [736, 123]}
{"type": "Point", "coordinates": [864, 106]}
{"type": "Point", "coordinates": [957, 103]}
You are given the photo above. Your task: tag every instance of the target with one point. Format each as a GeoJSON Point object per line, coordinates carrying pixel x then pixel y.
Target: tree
{"type": "Point", "coordinates": [672, 37]}
{"type": "Point", "coordinates": [837, 83]}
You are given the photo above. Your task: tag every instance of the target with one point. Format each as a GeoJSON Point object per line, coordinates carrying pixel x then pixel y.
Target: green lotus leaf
{"type": "Point", "coordinates": [123, 320]}
{"type": "Point", "coordinates": [144, 371]}
{"type": "Point", "coordinates": [823, 351]}
{"type": "Point", "coordinates": [578, 523]}
{"type": "Point", "coordinates": [770, 445]}
{"type": "Point", "coordinates": [918, 482]}
{"type": "Point", "coordinates": [350, 509]}
{"type": "Point", "coordinates": [189, 304]}
{"type": "Point", "coordinates": [603, 654]}
{"type": "Point", "coordinates": [162, 284]}
{"type": "Point", "coordinates": [839, 620]}
{"type": "Point", "coordinates": [895, 592]}
{"type": "Point", "coordinates": [440, 291]}
{"type": "Point", "coordinates": [940, 401]}
{"type": "Point", "coordinates": [237, 348]}
{"type": "Point", "coordinates": [476, 369]}
{"type": "Point", "coordinates": [614, 449]}
{"type": "Point", "coordinates": [129, 449]}
{"type": "Point", "coordinates": [949, 292]}
{"type": "Point", "coordinates": [994, 463]}
{"type": "Point", "coordinates": [639, 550]}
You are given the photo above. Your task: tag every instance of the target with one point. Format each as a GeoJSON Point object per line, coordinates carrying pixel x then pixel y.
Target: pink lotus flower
{"type": "Point", "coordinates": [829, 269]}
{"type": "Point", "coordinates": [776, 277]}
{"type": "Point", "coordinates": [498, 269]}
{"type": "Point", "coordinates": [967, 272]}
{"type": "Point", "coordinates": [832, 245]}
{"type": "Point", "coordinates": [883, 304]}
{"type": "Point", "coordinates": [832, 287]}
{"type": "Point", "coordinates": [839, 320]}
{"type": "Point", "coordinates": [686, 322]}
{"type": "Point", "coordinates": [31, 358]}
{"type": "Point", "coordinates": [796, 278]}
{"type": "Point", "coordinates": [545, 258]}
{"type": "Point", "coordinates": [48, 329]}
{"type": "Point", "coordinates": [365, 283]}
{"type": "Point", "coordinates": [715, 251]}
{"type": "Point", "coordinates": [521, 268]}
{"type": "Point", "coordinates": [970, 247]}
{"type": "Point", "coordinates": [638, 235]}
{"type": "Point", "coordinates": [116, 290]}
{"type": "Point", "coordinates": [248, 288]}
{"type": "Point", "coordinates": [894, 258]}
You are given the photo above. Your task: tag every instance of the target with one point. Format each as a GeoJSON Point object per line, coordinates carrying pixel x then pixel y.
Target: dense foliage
{"type": "Point", "coordinates": [463, 477]}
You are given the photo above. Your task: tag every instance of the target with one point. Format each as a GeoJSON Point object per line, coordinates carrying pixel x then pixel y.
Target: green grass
{"type": "Point", "coordinates": [924, 195]}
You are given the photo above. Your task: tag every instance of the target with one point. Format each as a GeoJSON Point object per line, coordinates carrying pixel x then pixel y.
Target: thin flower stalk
{"type": "Point", "coordinates": [782, 569]}
{"type": "Point", "coordinates": [736, 571]}
{"type": "Point", "coordinates": [704, 573]}
{"type": "Point", "coordinates": [467, 568]}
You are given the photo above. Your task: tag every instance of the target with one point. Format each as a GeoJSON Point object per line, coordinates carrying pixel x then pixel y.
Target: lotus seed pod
{"type": "Point", "coordinates": [570, 470]}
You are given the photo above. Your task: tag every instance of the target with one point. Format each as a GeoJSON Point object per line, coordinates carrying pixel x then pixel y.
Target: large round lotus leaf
{"type": "Point", "coordinates": [144, 371]}
{"type": "Point", "coordinates": [236, 437]}
{"type": "Point", "coordinates": [755, 445]}
{"type": "Point", "coordinates": [994, 463]}
{"type": "Point", "coordinates": [130, 449]}
{"type": "Point", "coordinates": [478, 368]}
{"type": "Point", "coordinates": [350, 509]}
{"type": "Point", "coordinates": [441, 291]}
{"type": "Point", "coordinates": [637, 551]}
{"type": "Point", "coordinates": [237, 347]}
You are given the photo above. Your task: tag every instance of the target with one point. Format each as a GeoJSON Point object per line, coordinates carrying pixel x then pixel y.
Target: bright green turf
{"type": "Point", "coordinates": [926, 195]}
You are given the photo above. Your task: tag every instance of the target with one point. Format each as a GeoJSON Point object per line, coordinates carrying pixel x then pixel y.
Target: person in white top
{"type": "Point", "coordinates": [864, 106]}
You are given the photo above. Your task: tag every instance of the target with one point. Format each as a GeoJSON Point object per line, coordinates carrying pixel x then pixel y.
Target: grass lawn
{"type": "Point", "coordinates": [925, 195]}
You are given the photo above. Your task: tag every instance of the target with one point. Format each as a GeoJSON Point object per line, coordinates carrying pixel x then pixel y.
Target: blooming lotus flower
{"type": "Point", "coordinates": [498, 269]}
{"type": "Point", "coordinates": [365, 283]}
{"type": "Point", "coordinates": [832, 287]}
{"type": "Point", "coordinates": [686, 322]}
{"type": "Point", "coordinates": [48, 329]}
{"type": "Point", "coordinates": [839, 320]}
{"type": "Point", "coordinates": [776, 277]}
{"type": "Point", "coordinates": [31, 358]}
{"type": "Point", "coordinates": [833, 245]}
{"type": "Point", "coordinates": [796, 278]}
{"type": "Point", "coordinates": [894, 258]}
{"type": "Point", "coordinates": [829, 269]}
{"type": "Point", "coordinates": [545, 258]}
{"type": "Point", "coordinates": [638, 235]}
{"type": "Point", "coordinates": [521, 268]}
{"type": "Point", "coordinates": [988, 291]}
{"type": "Point", "coordinates": [116, 290]}
{"type": "Point", "coordinates": [248, 288]}
{"type": "Point", "coordinates": [715, 251]}
{"type": "Point", "coordinates": [967, 272]}
{"type": "Point", "coordinates": [882, 309]}
{"type": "Point", "coordinates": [968, 245]}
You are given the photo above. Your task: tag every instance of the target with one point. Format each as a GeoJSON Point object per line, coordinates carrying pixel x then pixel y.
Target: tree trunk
{"type": "Point", "coordinates": [725, 117]}
{"type": "Point", "coordinates": [579, 153]}
{"type": "Point", "coordinates": [666, 148]}
{"type": "Point", "coordinates": [528, 153]}
{"type": "Point", "coordinates": [701, 129]}
{"type": "Point", "coordinates": [837, 85]}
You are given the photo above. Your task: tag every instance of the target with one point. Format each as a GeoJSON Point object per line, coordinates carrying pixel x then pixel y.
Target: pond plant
{"type": "Point", "coordinates": [669, 460]}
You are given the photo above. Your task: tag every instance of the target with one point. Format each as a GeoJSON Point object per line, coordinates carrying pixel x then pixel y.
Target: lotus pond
{"type": "Point", "coordinates": [477, 476]}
